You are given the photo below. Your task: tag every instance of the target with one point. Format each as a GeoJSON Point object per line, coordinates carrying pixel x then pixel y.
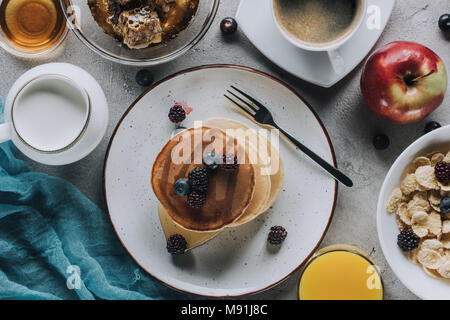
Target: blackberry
{"type": "Point", "coordinates": [407, 240]}
{"type": "Point", "coordinates": [196, 200]}
{"type": "Point", "coordinates": [442, 172]}
{"type": "Point", "coordinates": [199, 180]}
{"type": "Point", "coordinates": [177, 114]}
{"type": "Point", "coordinates": [176, 244]}
{"type": "Point", "coordinates": [229, 162]}
{"type": "Point", "coordinates": [277, 235]}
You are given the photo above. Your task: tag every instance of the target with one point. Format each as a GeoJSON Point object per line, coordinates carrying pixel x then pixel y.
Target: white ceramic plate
{"type": "Point", "coordinates": [314, 67]}
{"type": "Point", "coordinates": [237, 262]}
{"type": "Point", "coordinates": [412, 275]}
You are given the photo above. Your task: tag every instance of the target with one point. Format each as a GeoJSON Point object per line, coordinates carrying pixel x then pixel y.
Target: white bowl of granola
{"type": "Point", "coordinates": [410, 199]}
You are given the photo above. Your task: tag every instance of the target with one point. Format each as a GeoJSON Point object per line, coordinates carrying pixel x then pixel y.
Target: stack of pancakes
{"type": "Point", "coordinates": [233, 197]}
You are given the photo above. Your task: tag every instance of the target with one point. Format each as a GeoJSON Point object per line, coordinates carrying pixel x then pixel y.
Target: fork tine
{"type": "Point", "coordinates": [239, 106]}
{"type": "Point", "coordinates": [256, 102]}
{"type": "Point", "coordinates": [243, 101]}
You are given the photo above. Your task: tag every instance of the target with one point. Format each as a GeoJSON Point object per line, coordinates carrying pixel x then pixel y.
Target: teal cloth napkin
{"type": "Point", "coordinates": [56, 244]}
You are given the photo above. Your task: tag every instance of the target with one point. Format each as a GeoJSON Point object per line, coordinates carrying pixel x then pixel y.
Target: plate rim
{"type": "Point", "coordinates": [220, 66]}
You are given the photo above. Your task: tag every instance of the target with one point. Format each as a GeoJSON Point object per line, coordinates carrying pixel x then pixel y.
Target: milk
{"type": "Point", "coordinates": [50, 114]}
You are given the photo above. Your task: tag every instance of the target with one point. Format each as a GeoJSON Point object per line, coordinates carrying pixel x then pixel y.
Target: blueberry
{"type": "Point", "coordinates": [177, 130]}
{"type": "Point", "coordinates": [381, 141]}
{"type": "Point", "coordinates": [433, 125]}
{"type": "Point", "coordinates": [144, 78]}
{"type": "Point", "coordinates": [182, 187]}
{"type": "Point", "coordinates": [211, 160]}
{"type": "Point", "coordinates": [444, 22]}
{"type": "Point", "coordinates": [228, 25]}
{"type": "Point", "coordinates": [445, 205]}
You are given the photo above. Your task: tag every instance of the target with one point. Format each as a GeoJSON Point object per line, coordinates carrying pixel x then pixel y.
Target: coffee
{"type": "Point", "coordinates": [318, 22]}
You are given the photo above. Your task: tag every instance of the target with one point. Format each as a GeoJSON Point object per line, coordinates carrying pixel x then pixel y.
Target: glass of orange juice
{"type": "Point", "coordinates": [340, 272]}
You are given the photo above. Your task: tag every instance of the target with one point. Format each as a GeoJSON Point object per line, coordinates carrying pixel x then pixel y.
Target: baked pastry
{"type": "Point", "coordinates": [142, 23]}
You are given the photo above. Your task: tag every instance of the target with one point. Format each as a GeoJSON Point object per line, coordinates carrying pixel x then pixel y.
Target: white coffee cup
{"type": "Point", "coordinates": [49, 114]}
{"type": "Point", "coordinates": [332, 48]}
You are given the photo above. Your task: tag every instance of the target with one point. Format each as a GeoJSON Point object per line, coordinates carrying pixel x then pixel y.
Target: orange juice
{"type": "Point", "coordinates": [340, 274]}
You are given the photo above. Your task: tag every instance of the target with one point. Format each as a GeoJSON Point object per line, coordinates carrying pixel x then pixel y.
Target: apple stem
{"type": "Point", "coordinates": [412, 81]}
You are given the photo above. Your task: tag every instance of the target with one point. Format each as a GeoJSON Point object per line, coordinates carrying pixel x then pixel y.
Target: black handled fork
{"type": "Point", "coordinates": [259, 113]}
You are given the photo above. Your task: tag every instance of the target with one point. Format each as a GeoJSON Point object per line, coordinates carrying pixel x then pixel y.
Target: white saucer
{"type": "Point", "coordinates": [98, 119]}
{"type": "Point", "coordinates": [236, 262]}
{"type": "Point", "coordinates": [256, 20]}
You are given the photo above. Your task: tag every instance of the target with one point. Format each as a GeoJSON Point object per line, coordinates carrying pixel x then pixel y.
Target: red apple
{"type": "Point", "coordinates": [404, 81]}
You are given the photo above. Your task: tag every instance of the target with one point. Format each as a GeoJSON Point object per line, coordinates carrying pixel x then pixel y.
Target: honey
{"type": "Point", "coordinates": [32, 25]}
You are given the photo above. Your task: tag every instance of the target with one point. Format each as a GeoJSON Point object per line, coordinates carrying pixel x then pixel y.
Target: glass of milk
{"type": "Point", "coordinates": [49, 115]}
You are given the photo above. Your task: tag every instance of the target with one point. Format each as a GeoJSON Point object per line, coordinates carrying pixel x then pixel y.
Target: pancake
{"type": "Point", "coordinates": [263, 189]}
{"type": "Point", "coordinates": [269, 163]}
{"type": "Point", "coordinates": [249, 139]}
{"type": "Point", "coordinates": [229, 193]}
{"type": "Point", "coordinates": [193, 238]}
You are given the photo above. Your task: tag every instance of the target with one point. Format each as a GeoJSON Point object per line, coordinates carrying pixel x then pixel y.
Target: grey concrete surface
{"type": "Point", "coordinates": [349, 122]}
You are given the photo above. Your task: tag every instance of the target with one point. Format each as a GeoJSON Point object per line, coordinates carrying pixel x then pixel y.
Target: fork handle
{"type": "Point", "coordinates": [338, 175]}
